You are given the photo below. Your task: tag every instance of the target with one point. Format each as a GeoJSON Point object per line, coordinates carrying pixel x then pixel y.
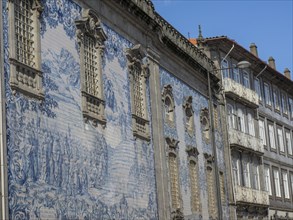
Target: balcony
{"type": "Point", "coordinates": [252, 196]}
{"type": "Point", "coordinates": [236, 91]}
{"type": "Point", "coordinates": [238, 138]}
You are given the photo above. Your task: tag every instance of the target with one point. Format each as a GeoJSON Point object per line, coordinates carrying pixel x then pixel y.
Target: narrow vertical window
{"type": "Point", "coordinates": [262, 132]}
{"type": "Point", "coordinates": [250, 118]}
{"type": "Point", "coordinates": [272, 136]}
{"type": "Point", "coordinates": [236, 75]}
{"type": "Point", "coordinates": [268, 187]}
{"type": "Point", "coordinates": [280, 139]}
{"type": "Point", "coordinates": [291, 180]}
{"type": "Point", "coordinates": [255, 173]}
{"type": "Point", "coordinates": [194, 179]}
{"type": "Point", "coordinates": [168, 104]}
{"type": "Point", "coordinates": [231, 116]}
{"type": "Point", "coordinates": [212, 203]}
{"type": "Point", "coordinates": [173, 165]}
{"type": "Point", "coordinates": [225, 70]}
{"type": "Point", "coordinates": [288, 142]}
{"type": "Point", "coordinates": [236, 169]}
{"type": "Point", "coordinates": [138, 74]}
{"type": "Point", "coordinates": [91, 38]}
{"type": "Point", "coordinates": [189, 118]}
{"type": "Point", "coordinates": [277, 183]}
{"type": "Point", "coordinates": [257, 88]}
{"type": "Point", "coordinates": [284, 104]}
{"type": "Point", "coordinates": [246, 170]}
{"type": "Point", "coordinates": [267, 94]}
{"type": "Point", "coordinates": [285, 184]}
{"type": "Point", "coordinates": [276, 99]}
{"type": "Point", "coordinates": [246, 82]}
{"type": "Point", "coordinates": [241, 120]}
{"type": "Point", "coordinates": [25, 47]}
{"type": "Point", "coordinates": [291, 108]}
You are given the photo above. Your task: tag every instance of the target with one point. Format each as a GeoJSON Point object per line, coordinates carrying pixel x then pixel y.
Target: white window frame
{"type": "Point", "coordinates": [271, 135]}
{"type": "Point", "coordinates": [236, 169]}
{"type": "Point", "coordinates": [231, 116]}
{"type": "Point", "coordinates": [246, 81]}
{"type": "Point", "coordinates": [246, 171]}
{"type": "Point", "coordinates": [250, 120]}
{"type": "Point", "coordinates": [257, 88]}
{"type": "Point", "coordinates": [276, 97]}
{"type": "Point", "coordinates": [91, 38]}
{"type": "Point", "coordinates": [284, 103]}
{"type": "Point", "coordinates": [25, 70]}
{"type": "Point", "coordinates": [225, 70]}
{"type": "Point", "coordinates": [241, 120]}
{"type": "Point", "coordinates": [268, 186]}
{"type": "Point", "coordinates": [236, 74]}
{"type": "Point", "coordinates": [280, 139]}
{"type": "Point", "coordinates": [288, 142]}
{"type": "Point", "coordinates": [277, 182]}
{"type": "Point", "coordinates": [262, 132]}
{"type": "Point", "coordinates": [268, 99]}
{"type": "Point", "coordinates": [285, 184]}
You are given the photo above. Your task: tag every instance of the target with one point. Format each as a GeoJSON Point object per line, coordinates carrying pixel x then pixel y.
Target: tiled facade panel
{"type": "Point", "coordinates": [58, 165]}
{"type": "Point", "coordinates": [178, 132]}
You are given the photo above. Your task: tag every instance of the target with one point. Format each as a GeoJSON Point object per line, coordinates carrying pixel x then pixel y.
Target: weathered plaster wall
{"type": "Point", "coordinates": [60, 166]}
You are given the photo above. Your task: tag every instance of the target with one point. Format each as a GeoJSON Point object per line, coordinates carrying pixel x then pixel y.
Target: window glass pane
{"type": "Point", "coordinates": [246, 79]}
{"type": "Point", "coordinates": [257, 88]}
{"type": "Point", "coordinates": [241, 120]}
{"type": "Point", "coordinates": [280, 139]}
{"type": "Point", "coordinates": [284, 104]}
{"type": "Point", "coordinates": [272, 136]}
{"type": "Point", "coordinates": [288, 142]}
{"type": "Point", "coordinates": [262, 132]}
{"type": "Point", "coordinates": [267, 94]}
{"type": "Point", "coordinates": [276, 99]}
{"type": "Point", "coordinates": [225, 71]}
{"type": "Point", "coordinates": [285, 185]}
{"type": "Point", "coordinates": [277, 183]}
{"type": "Point", "coordinates": [236, 75]}
{"type": "Point", "coordinates": [267, 180]}
{"type": "Point", "coordinates": [251, 124]}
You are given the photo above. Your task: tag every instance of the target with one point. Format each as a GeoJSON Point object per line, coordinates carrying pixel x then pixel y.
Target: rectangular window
{"type": "Point", "coordinates": [284, 104]}
{"type": "Point", "coordinates": [268, 100]}
{"type": "Point", "coordinates": [291, 180]}
{"type": "Point", "coordinates": [241, 120]}
{"type": "Point", "coordinates": [268, 187]}
{"type": "Point", "coordinates": [255, 169]}
{"type": "Point", "coordinates": [25, 48]}
{"type": "Point", "coordinates": [225, 70]}
{"type": "Point", "coordinates": [231, 116]}
{"type": "Point", "coordinates": [288, 142]}
{"type": "Point", "coordinates": [291, 108]}
{"type": "Point", "coordinates": [280, 139]}
{"type": "Point", "coordinates": [236, 75]}
{"type": "Point", "coordinates": [246, 171]}
{"type": "Point", "coordinates": [272, 136]}
{"type": "Point", "coordinates": [285, 184]}
{"type": "Point", "coordinates": [276, 99]}
{"type": "Point", "coordinates": [257, 88]}
{"type": "Point", "coordinates": [236, 170]}
{"type": "Point", "coordinates": [246, 79]}
{"type": "Point", "coordinates": [262, 132]}
{"type": "Point", "coordinates": [277, 183]}
{"type": "Point", "coordinates": [250, 118]}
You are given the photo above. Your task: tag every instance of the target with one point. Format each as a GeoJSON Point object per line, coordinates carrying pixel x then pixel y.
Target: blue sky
{"type": "Point", "coordinates": [268, 24]}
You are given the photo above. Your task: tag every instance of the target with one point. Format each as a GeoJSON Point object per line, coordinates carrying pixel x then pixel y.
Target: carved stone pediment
{"type": "Point", "coordinates": [172, 143]}
{"type": "Point", "coordinates": [192, 151]}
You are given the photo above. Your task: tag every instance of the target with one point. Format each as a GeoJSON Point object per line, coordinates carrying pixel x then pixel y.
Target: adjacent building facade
{"type": "Point", "coordinates": [258, 108]}
{"type": "Point", "coordinates": [107, 112]}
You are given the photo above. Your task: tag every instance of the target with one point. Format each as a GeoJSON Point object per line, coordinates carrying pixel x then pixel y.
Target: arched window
{"type": "Point", "coordinates": [169, 107]}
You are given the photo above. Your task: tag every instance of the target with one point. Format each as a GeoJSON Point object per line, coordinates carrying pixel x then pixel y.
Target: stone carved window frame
{"type": "Point", "coordinates": [192, 154]}
{"type": "Point", "coordinates": [169, 113]}
{"type": "Point", "coordinates": [209, 161]}
{"type": "Point", "coordinates": [26, 78]}
{"type": "Point", "coordinates": [205, 123]}
{"type": "Point", "coordinates": [173, 149]}
{"type": "Point", "coordinates": [137, 60]}
{"type": "Point", "coordinates": [93, 105]}
{"type": "Point", "coordinates": [189, 119]}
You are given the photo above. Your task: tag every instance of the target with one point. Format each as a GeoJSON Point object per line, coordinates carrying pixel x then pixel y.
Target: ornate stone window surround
{"type": "Point", "coordinates": [189, 115]}
{"type": "Point", "coordinates": [193, 153]}
{"type": "Point", "coordinates": [205, 122]}
{"type": "Point", "coordinates": [91, 38]}
{"type": "Point", "coordinates": [169, 106]}
{"type": "Point", "coordinates": [25, 47]}
{"type": "Point", "coordinates": [173, 162]}
{"type": "Point", "coordinates": [138, 75]}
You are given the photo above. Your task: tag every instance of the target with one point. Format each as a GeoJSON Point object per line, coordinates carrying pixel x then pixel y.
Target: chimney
{"type": "Point", "coordinates": [253, 49]}
{"type": "Point", "coordinates": [272, 63]}
{"type": "Point", "coordinates": [287, 73]}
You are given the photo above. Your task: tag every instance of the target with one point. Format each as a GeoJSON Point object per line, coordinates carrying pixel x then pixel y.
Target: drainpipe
{"type": "Point", "coordinates": [211, 107]}
{"type": "Point", "coordinates": [3, 151]}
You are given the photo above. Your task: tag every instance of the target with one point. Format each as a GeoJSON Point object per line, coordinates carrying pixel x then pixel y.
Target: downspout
{"type": "Point", "coordinates": [211, 107]}
{"type": "Point", "coordinates": [3, 150]}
